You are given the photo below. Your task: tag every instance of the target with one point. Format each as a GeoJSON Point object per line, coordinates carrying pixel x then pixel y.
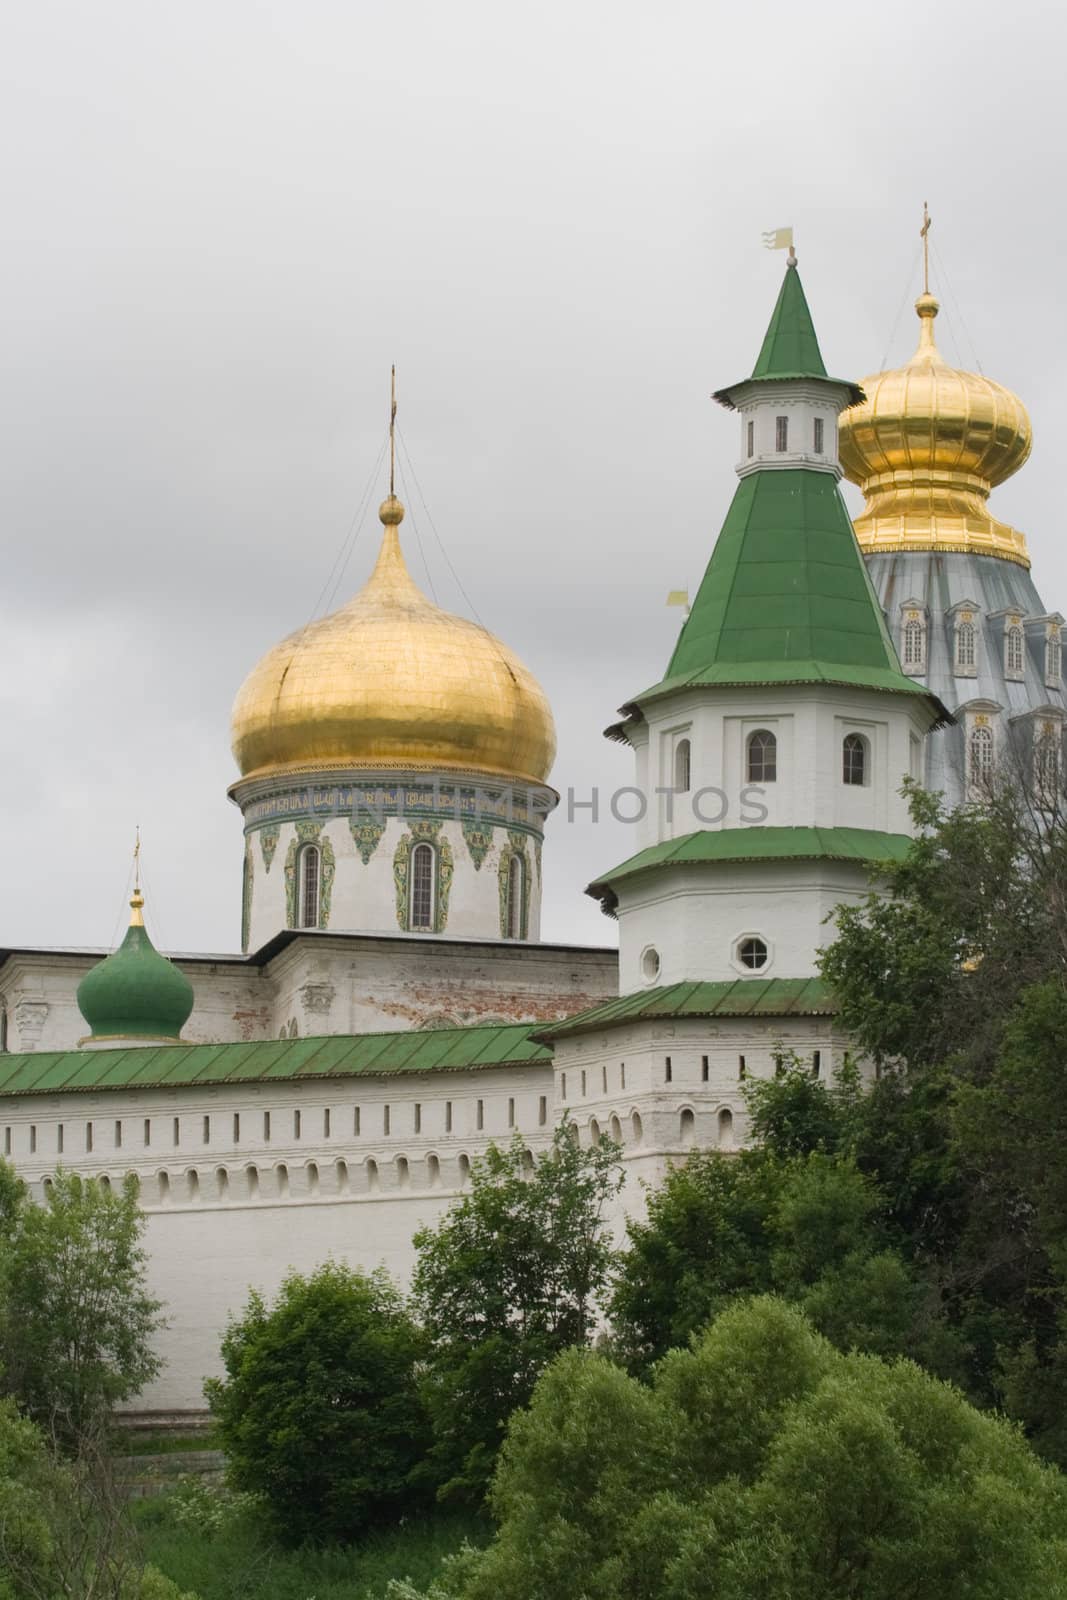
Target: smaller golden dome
{"type": "Point", "coordinates": [926, 446]}
{"type": "Point", "coordinates": [390, 680]}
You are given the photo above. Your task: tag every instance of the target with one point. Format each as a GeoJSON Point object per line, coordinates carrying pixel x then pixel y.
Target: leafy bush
{"type": "Point", "coordinates": [319, 1413]}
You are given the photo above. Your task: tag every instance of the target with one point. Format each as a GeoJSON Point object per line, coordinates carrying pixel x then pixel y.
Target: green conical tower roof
{"type": "Point", "coordinates": [790, 347]}
{"type": "Point", "coordinates": [135, 993]}
{"type": "Point", "coordinates": [786, 597]}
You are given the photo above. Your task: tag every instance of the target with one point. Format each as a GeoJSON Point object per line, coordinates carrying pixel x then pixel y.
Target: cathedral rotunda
{"type": "Point", "coordinates": [393, 763]}
{"type": "Point", "coordinates": [926, 446]}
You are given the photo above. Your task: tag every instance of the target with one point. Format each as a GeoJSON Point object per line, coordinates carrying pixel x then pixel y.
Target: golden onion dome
{"type": "Point", "coordinates": [926, 446]}
{"type": "Point", "coordinates": [390, 680]}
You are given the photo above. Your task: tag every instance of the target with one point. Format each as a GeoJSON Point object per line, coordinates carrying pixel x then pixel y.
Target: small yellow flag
{"type": "Point", "coordinates": [679, 597]}
{"type": "Point", "coordinates": [778, 239]}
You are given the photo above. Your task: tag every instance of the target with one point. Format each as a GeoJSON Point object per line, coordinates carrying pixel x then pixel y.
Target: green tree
{"type": "Point", "coordinates": [511, 1276]}
{"type": "Point", "coordinates": [64, 1532]}
{"type": "Point", "coordinates": [320, 1411]}
{"type": "Point", "coordinates": [763, 1462]}
{"type": "Point", "coordinates": [77, 1321]}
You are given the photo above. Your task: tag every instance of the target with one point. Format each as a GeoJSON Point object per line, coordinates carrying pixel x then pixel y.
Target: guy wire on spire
{"type": "Point", "coordinates": [392, 431]}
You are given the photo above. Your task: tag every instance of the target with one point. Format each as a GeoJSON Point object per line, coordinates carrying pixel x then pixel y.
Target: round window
{"type": "Point", "coordinates": [752, 953]}
{"type": "Point", "coordinates": [650, 964]}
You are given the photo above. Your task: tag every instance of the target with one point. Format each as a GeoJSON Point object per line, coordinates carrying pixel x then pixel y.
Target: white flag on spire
{"type": "Point", "coordinates": [778, 239]}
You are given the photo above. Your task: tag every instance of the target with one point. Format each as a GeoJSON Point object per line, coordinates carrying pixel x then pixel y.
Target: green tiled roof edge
{"type": "Point", "coordinates": [742, 997]}
{"type": "Point", "coordinates": [473, 1048]}
{"type": "Point", "coordinates": [710, 845]}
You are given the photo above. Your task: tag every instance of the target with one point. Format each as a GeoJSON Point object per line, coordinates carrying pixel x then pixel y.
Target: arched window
{"type": "Point", "coordinates": [726, 1128]}
{"type": "Point", "coordinates": [310, 864]}
{"type": "Point", "coordinates": [164, 1188]}
{"type": "Point", "coordinates": [222, 1182]}
{"type": "Point", "coordinates": [752, 953]}
{"type": "Point", "coordinates": [965, 646]}
{"type": "Point", "coordinates": [616, 1131]}
{"type": "Point", "coordinates": [372, 1173]}
{"type": "Point", "coordinates": [464, 1165]}
{"type": "Point", "coordinates": [516, 896]}
{"type": "Point", "coordinates": [854, 759]}
{"type": "Point", "coordinates": [313, 1177]}
{"type": "Point", "coordinates": [1052, 661]}
{"type": "Point", "coordinates": [422, 886]}
{"type": "Point", "coordinates": [1047, 764]}
{"type": "Point", "coordinates": [403, 1173]}
{"type": "Point", "coordinates": [433, 1171]}
{"type": "Point", "coordinates": [981, 754]}
{"type": "Point", "coordinates": [342, 1177]}
{"type": "Point", "coordinates": [252, 1182]}
{"type": "Point", "coordinates": [682, 764]}
{"type": "Point", "coordinates": [914, 644]}
{"type": "Point", "coordinates": [594, 1131]}
{"type": "Point", "coordinates": [635, 1124]}
{"type": "Point", "coordinates": [281, 1172]}
{"type": "Point", "coordinates": [762, 757]}
{"type": "Point", "coordinates": [687, 1127]}
{"type": "Point", "coordinates": [1013, 652]}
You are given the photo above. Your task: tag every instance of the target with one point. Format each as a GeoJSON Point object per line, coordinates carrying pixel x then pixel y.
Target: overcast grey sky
{"type": "Point", "coordinates": [221, 223]}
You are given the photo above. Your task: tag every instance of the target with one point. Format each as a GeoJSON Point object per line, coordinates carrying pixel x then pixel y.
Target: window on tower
{"type": "Point", "coordinates": [965, 646]}
{"type": "Point", "coordinates": [516, 896]}
{"type": "Point", "coordinates": [981, 755]}
{"type": "Point", "coordinates": [422, 887]}
{"type": "Point", "coordinates": [750, 438]}
{"type": "Point", "coordinates": [310, 862]}
{"type": "Point", "coordinates": [682, 765]}
{"type": "Point", "coordinates": [1053, 665]}
{"type": "Point", "coordinates": [914, 651]}
{"type": "Point", "coordinates": [817, 430]}
{"type": "Point", "coordinates": [1014, 651]}
{"type": "Point", "coordinates": [762, 757]}
{"type": "Point", "coordinates": [781, 433]}
{"type": "Point", "coordinates": [854, 759]}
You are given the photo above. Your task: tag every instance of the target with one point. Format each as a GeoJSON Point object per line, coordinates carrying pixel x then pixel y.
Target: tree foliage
{"type": "Point", "coordinates": [510, 1277]}
{"type": "Point", "coordinates": [320, 1411]}
{"type": "Point", "coordinates": [76, 1320]}
{"type": "Point", "coordinates": [761, 1461]}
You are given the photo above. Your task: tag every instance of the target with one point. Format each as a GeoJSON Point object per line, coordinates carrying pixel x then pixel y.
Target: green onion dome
{"type": "Point", "coordinates": [135, 993]}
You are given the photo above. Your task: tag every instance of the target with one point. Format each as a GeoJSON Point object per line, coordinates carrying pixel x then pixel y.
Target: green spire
{"type": "Point", "coordinates": [135, 993]}
{"type": "Point", "coordinates": [790, 348]}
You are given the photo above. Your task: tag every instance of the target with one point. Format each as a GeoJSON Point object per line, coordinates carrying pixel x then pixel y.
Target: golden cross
{"type": "Point", "coordinates": [392, 429]}
{"type": "Point", "coordinates": [137, 860]}
{"type": "Point", "coordinates": [924, 235]}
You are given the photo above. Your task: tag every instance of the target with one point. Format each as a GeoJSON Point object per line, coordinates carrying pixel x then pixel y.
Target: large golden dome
{"type": "Point", "coordinates": [393, 681]}
{"type": "Point", "coordinates": [926, 447]}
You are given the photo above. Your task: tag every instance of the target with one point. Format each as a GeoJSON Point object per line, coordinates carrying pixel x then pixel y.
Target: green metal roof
{"type": "Point", "coordinates": [135, 992]}
{"type": "Point", "coordinates": [273, 1060]}
{"type": "Point", "coordinates": [786, 598]}
{"type": "Point", "coordinates": [745, 997]}
{"type": "Point", "coordinates": [722, 845]}
{"type": "Point", "coordinates": [790, 346]}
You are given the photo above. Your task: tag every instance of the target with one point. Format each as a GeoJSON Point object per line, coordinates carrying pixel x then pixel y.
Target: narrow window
{"type": "Point", "coordinates": [33, 1138]}
{"type": "Point", "coordinates": [704, 1069]}
{"type": "Point", "coordinates": [422, 877]}
{"type": "Point", "coordinates": [762, 757]}
{"type": "Point", "coordinates": [742, 1070]}
{"type": "Point", "coordinates": [237, 1127]}
{"type": "Point", "coordinates": [266, 1127]}
{"type": "Point", "coordinates": [511, 1113]}
{"type": "Point", "coordinates": [854, 759]}
{"type": "Point", "coordinates": [118, 1135]}
{"type": "Point", "coordinates": [563, 1087]}
{"type": "Point", "coordinates": [296, 1124]}
{"type": "Point", "coordinates": [604, 1080]}
{"type": "Point", "coordinates": [480, 1119]}
{"type": "Point", "coordinates": [1052, 660]}
{"type": "Point", "coordinates": [1013, 652]}
{"type": "Point", "coordinates": [622, 1074]}
{"type": "Point", "coordinates": [635, 1124]}
{"type": "Point", "coordinates": [914, 644]}
{"type": "Point", "coordinates": [816, 1063]}
{"type": "Point", "coordinates": [781, 433]}
{"type": "Point", "coordinates": [386, 1120]}
{"type": "Point", "coordinates": [750, 438]}
{"type": "Point", "coordinates": [965, 647]}
{"type": "Point", "coordinates": [448, 1116]}
{"type": "Point", "coordinates": [3, 1028]}
{"type": "Point", "coordinates": [59, 1139]}
{"type": "Point", "coordinates": [147, 1132]}
{"type": "Point", "coordinates": [752, 953]}
{"type": "Point", "coordinates": [726, 1128]}
{"type": "Point", "coordinates": [355, 1121]}
{"type": "Point", "coordinates": [7, 1141]}
{"type": "Point", "coordinates": [516, 897]}
{"type": "Point", "coordinates": [309, 886]}
{"type": "Point", "coordinates": [817, 430]}
{"type": "Point", "coordinates": [687, 1127]}
{"type": "Point", "coordinates": [667, 1069]}
{"type": "Point", "coordinates": [583, 1085]}
{"type": "Point", "coordinates": [418, 1117]}
{"type": "Point", "coordinates": [682, 766]}
{"type": "Point", "coordinates": [981, 752]}
{"type": "Point", "coordinates": [207, 1130]}
{"type": "Point", "coordinates": [326, 1123]}
{"type": "Point", "coordinates": [176, 1132]}
{"type": "Point", "coordinates": [542, 1111]}
{"type": "Point", "coordinates": [88, 1136]}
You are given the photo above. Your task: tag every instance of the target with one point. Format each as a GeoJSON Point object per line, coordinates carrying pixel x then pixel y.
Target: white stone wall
{"type": "Point", "coordinates": [328, 985]}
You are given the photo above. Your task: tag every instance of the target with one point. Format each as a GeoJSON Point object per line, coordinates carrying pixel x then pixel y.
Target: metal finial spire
{"type": "Point", "coordinates": [137, 898]}
{"type": "Point", "coordinates": [924, 234]}
{"type": "Point", "coordinates": [392, 435]}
